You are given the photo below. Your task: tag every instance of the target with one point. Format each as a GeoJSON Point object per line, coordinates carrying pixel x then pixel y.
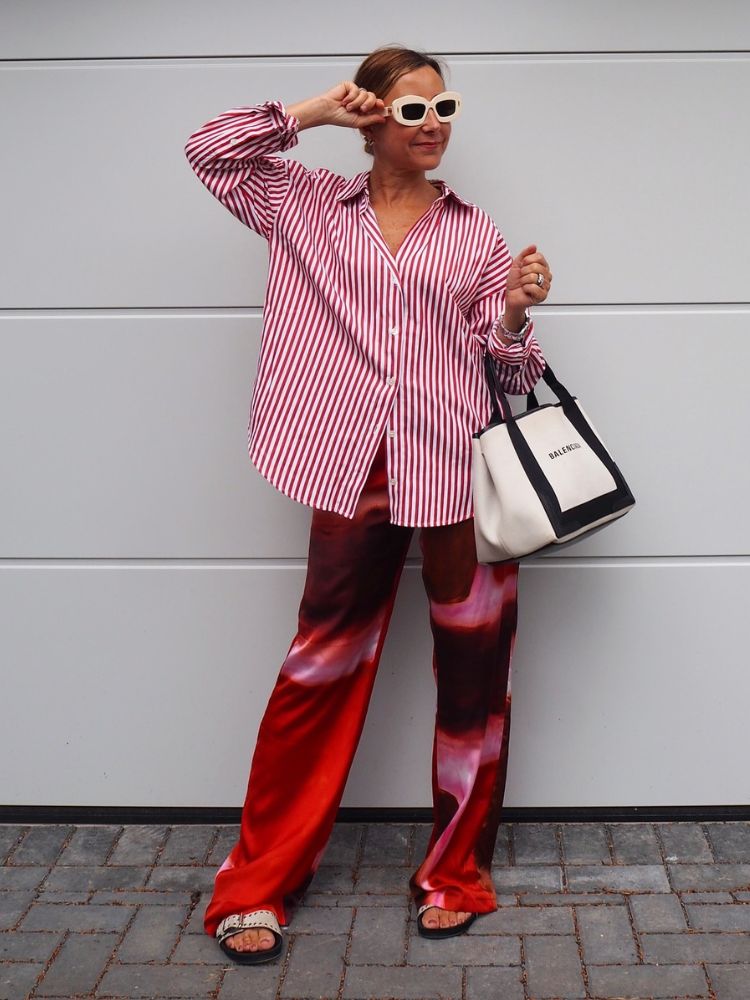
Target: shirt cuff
{"type": "Point", "coordinates": [288, 123]}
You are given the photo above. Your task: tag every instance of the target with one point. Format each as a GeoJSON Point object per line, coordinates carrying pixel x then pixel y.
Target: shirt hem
{"type": "Point", "coordinates": [285, 491]}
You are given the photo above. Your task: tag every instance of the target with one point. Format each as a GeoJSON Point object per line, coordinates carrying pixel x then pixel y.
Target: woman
{"type": "Point", "coordinates": [384, 292]}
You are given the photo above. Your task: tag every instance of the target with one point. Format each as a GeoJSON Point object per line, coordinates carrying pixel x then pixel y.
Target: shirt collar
{"type": "Point", "coordinates": [354, 186]}
{"type": "Point", "coordinates": [357, 184]}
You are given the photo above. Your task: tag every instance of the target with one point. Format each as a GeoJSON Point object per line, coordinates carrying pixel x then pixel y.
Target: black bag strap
{"type": "Point", "coordinates": [501, 411]}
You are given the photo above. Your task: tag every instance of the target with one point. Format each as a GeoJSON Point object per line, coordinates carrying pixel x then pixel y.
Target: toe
{"type": "Point", "coordinates": [233, 942]}
{"type": "Point", "coordinates": [244, 941]}
{"type": "Point", "coordinates": [437, 917]}
{"type": "Point", "coordinates": [251, 940]}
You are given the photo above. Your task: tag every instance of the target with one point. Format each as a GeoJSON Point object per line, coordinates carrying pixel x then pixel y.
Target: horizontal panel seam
{"type": "Point", "coordinates": [294, 562]}
{"type": "Point", "coordinates": [300, 58]}
{"type": "Point", "coordinates": [50, 312]}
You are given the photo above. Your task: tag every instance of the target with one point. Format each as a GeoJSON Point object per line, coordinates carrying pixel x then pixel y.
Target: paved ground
{"type": "Point", "coordinates": [586, 910]}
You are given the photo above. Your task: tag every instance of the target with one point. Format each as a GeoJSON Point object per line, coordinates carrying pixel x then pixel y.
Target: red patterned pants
{"type": "Point", "coordinates": [311, 727]}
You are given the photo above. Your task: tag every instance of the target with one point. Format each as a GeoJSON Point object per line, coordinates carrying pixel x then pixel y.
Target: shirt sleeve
{"type": "Point", "coordinates": [519, 366]}
{"type": "Point", "coordinates": [232, 155]}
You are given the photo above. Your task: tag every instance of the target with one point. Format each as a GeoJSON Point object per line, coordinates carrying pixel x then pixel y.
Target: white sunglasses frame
{"type": "Point", "coordinates": [394, 108]}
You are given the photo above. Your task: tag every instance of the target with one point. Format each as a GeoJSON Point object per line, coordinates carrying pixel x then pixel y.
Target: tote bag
{"type": "Point", "coordinates": [542, 478]}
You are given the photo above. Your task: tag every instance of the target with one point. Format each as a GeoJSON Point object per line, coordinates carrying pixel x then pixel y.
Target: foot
{"type": "Point", "coordinates": [436, 917]}
{"type": "Point", "coordinates": [251, 938]}
{"type": "Point", "coordinates": [258, 939]}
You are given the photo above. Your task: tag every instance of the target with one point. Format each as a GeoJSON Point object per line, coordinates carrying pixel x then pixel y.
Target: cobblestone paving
{"type": "Point", "coordinates": [586, 910]}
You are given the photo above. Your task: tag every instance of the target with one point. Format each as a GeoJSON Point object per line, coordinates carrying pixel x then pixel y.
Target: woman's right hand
{"type": "Point", "coordinates": [346, 104]}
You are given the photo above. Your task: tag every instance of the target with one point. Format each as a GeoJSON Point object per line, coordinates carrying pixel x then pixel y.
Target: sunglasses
{"type": "Point", "coordinates": [411, 110]}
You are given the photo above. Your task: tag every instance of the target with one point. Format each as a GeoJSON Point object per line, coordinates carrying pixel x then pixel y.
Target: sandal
{"type": "Point", "coordinates": [442, 932]}
{"type": "Point", "coordinates": [237, 922]}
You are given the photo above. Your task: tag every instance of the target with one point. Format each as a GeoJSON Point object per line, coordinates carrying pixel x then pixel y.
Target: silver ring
{"type": "Point", "coordinates": [540, 280]}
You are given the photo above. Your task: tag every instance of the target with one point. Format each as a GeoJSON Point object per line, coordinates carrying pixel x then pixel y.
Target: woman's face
{"type": "Point", "coordinates": [412, 147]}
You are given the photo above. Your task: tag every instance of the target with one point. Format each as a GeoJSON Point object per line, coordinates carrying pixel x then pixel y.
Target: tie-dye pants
{"type": "Point", "coordinates": [311, 727]}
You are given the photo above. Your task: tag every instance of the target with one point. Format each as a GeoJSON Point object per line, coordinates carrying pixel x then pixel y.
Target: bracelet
{"type": "Point", "coordinates": [516, 337]}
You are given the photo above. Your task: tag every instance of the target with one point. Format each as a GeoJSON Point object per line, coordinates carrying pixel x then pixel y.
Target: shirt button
{"type": "Point", "coordinates": [392, 482]}
{"type": "Point", "coordinates": [391, 434]}
{"type": "Point", "coordinates": [393, 331]}
{"type": "Point", "coordinates": [390, 380]}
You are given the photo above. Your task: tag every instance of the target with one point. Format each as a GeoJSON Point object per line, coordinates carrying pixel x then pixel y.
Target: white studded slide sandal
{"type": "Point", "coordinates": [265, 919]}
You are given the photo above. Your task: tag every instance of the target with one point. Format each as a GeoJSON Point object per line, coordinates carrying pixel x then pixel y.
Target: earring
{"type": "Point", "coordinates": [368, 142]}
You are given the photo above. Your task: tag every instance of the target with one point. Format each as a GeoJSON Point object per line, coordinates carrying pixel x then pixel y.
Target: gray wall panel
{"type": "Point", "coordinates": [151, 681]}
{"type": "Point", "coordinates": [149, 578]}
{"type": "Point", "coordinates": [126, 436]}
{"type": "Point", "coordinates": [89, 28]}
{"type": "Point", "coordinates": [101, 208]}
{"type": "Point", "coordinates": [627, 683]}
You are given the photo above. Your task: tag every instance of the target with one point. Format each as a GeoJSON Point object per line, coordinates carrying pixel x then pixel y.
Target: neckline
{"type": "Point", "coordinates": [408, 235]}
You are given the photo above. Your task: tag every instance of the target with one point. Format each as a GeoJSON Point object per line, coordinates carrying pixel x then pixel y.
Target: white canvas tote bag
{"type": "Point", "coordinates": [541, 478]}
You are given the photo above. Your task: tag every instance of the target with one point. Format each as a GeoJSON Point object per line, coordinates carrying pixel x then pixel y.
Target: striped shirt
{"type": "Point", "coordinates": [357, 343]}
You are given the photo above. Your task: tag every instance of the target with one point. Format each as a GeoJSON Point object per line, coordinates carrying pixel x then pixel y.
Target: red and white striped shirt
{"type": "Point", "coordinates": [358, 343]}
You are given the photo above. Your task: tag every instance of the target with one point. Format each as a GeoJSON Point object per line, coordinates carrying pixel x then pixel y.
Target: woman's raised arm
{"type": "Point", "coordinates": [519, 365]}
{"type": "Point", "coordinates": [233, 154]}
{"type": "Point", "coordinates": [346, 104]}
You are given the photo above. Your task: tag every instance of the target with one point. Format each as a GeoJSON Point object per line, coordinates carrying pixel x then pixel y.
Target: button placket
{"type": "Point", "coordinates": [397, 309]}
{"type": "Point", "coordinates": [393, 327]}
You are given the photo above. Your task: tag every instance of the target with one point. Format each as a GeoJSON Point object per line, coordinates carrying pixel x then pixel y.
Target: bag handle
{"type": "Point", "coordinates": [501, 407]}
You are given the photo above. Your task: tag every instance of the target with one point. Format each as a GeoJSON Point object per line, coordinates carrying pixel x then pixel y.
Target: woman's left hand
{"type": "Point", "coordinates": [523, 288]}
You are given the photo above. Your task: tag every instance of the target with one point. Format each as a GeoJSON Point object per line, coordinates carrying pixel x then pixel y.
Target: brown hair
{"type": "Point", "coordinates": [380, 70]}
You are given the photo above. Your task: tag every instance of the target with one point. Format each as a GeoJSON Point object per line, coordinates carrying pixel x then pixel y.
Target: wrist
{"type": "Point", "coordinates": [308, 113]}
{"type": "Point", "coordinates": [512, 326]}
{"type": "Point", "coordinates": [514, 318]}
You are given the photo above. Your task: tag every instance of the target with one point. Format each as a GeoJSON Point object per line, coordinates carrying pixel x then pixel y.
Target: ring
{"type": "Point", "coordinates": [540, 280]}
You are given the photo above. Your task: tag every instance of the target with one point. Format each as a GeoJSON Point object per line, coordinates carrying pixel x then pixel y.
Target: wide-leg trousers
{"type": "Point", "coordinates": [312, 725]}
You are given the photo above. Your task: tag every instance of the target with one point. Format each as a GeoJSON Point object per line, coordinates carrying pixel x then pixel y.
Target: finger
{"type": "Point", "coordinates": [531, 270]}
{"type": "Point", "coordinates": [373, 119]}
{"type": "Point", "coordinates": [357, 100]}
{"type": "Point", "coordinates": [366, 106]}
{"type": "Point", "coordinates": [346, 92]}
{"type": "Point", "coordinates": [535, 292]}
{"type": "Point", "coordinates": [372, 103]}
{"type": "Point", "coordinates": [351, 101]}
{"type": "Point", "coordinates": [527, 250]}
{"type": "Point", "coordinates": [533, 288]}
{"type": "Point", "coordinates": [531, 282]}
{"type": "Point", "coordinates": [535, 258]}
